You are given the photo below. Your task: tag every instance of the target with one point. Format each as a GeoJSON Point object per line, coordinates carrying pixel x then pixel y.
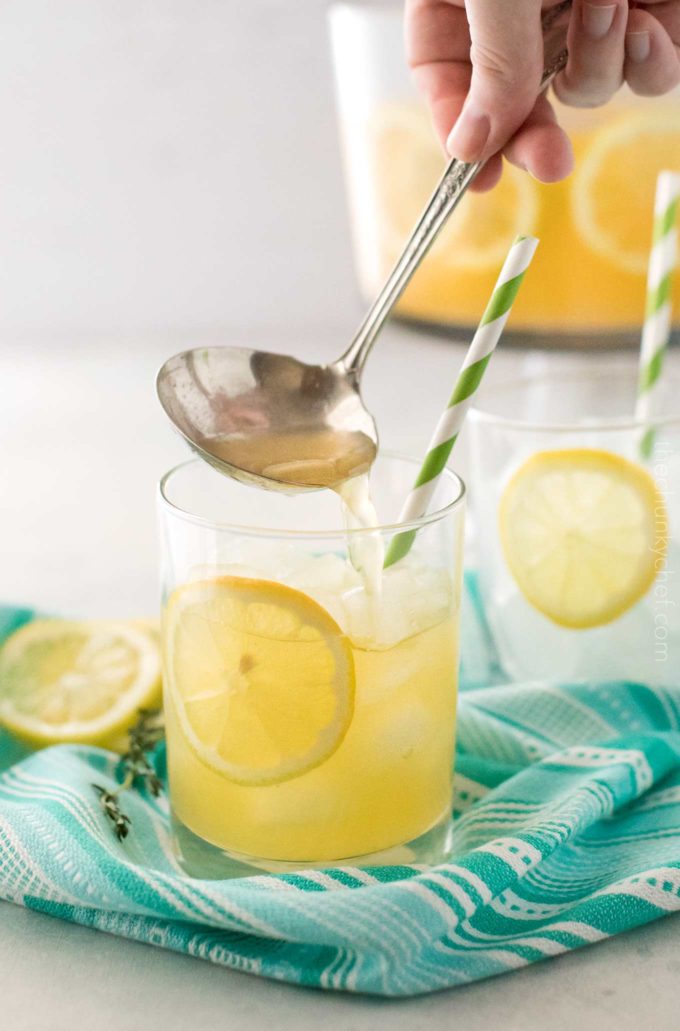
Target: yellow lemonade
{"type": "Point", "coordinates": [595, 227]}
{"type": "Point", "coordinates": [318, 458]}
{"type": "Point", "coordinates": [315, 724]}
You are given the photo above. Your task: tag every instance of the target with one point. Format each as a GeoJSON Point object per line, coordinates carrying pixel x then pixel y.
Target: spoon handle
{"type": "Point", "coordinates": [454, 182]}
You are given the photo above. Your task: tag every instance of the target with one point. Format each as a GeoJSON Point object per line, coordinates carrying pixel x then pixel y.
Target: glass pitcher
{"type": "Point", "coordinates": [587, 283]}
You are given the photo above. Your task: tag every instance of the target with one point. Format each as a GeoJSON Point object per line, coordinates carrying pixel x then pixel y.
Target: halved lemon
{"type": "Point", "coordinates": [583, 532]}
{"type": "Point", "coordinates": [408, 164]}
{"type": "Point", "coordinates": [64, 681]}
{"type": "Point", "coordinates": [260, 676]}
{"type": "Point", "coordinates": [613, 186]}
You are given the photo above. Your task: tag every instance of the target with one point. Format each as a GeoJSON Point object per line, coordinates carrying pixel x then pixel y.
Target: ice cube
{"type": "Point", "coordinates": [413, 598]}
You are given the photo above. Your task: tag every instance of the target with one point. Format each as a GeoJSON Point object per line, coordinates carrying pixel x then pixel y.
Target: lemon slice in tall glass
{"type": "Point", "coordinates": [580, 533]}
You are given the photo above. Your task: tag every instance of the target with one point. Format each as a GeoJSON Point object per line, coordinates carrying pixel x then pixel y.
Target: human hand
{"type": "Point", "coordinates": [479, 64]}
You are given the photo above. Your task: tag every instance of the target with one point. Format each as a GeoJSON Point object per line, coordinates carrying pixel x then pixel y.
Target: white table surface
{"type": "Point", "coordinates": [137, 139]}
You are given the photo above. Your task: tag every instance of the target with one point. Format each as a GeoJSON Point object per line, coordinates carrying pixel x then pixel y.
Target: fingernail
{"type": "Point", "coordinates": [468, 137]}
{"type": "Point", "coordinates": [598, 19]}
{"type": "Point", "coordinates": [638, 46]}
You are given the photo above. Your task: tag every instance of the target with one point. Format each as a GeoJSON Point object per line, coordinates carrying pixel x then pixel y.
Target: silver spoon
{"type": "Point", "coordinates": [274, 421]}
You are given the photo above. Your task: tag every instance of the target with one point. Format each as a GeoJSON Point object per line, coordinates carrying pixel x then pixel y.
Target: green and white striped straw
{"type": "Point", "coordinates": [476, 360]}
{"type": "Point", "coordinates": [657, 327]}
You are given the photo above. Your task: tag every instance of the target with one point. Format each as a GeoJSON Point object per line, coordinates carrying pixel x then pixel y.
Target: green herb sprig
{"type": "Point", "coordinates": [137, 769]}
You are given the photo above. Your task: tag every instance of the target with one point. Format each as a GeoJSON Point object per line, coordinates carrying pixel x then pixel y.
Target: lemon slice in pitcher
{"type": "Point", "coordinates": [580, 530]}
{"type": "Point", "coordinates": [614, 183]}
{"type": "Point", "coordinates": [64, 681]}
{"type": "Point", "coordinates": [260, 676]}
{"type": "Point", "coordinates": [409, 162]}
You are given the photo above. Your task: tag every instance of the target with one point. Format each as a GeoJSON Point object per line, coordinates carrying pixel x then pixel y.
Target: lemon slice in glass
{"type": "Point", "coordinates": [63, 681]}
{"type": "Point", "coordinates": [582, 532]}
{"type": "Point", "coordinates": [408, 164]}
{"type": "Point", "coordinates": [613, 187]}
{"type": "Point", "coordinates": [260, 676]}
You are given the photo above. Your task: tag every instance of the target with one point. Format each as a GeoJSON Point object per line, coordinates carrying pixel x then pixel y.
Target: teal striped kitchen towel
{"type": "Point", "coordinates": [567, 831]}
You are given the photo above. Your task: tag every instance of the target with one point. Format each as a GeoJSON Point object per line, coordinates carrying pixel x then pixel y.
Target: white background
{"type": "Point", "coordinates": [162, 163]}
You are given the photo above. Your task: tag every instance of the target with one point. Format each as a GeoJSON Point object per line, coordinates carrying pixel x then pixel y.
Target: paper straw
{"type": "Point", "coordinates": [657, 327]}
{"type": "Point", "coordinates": [476, 360]}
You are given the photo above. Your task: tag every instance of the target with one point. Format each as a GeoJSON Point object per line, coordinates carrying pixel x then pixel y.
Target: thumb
{"type": "Point", "coordinates": [507, 62]}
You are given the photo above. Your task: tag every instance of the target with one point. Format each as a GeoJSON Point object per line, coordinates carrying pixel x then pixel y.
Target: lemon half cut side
{"type": "Point", "coordinates": [67, 681]}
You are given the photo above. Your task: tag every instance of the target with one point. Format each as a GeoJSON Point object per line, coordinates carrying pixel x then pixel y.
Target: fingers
{"type": "Point", "coordinates": [507, 58]}
{"type": "Point", "coordinates": [438, 53]}
{"type": "Point", "coordinates": [489, 175]}
{"type": "Point", "coordinates": [492, 105]}
{"type": "Point", "coordinates": [541, 146]}
{"type": "Point", "coordinates": [594, 70]}
{"type": "Point", "coordinates": [438, 50]}
{"type": "Point", "coordinates": [652, 59]}
{"type": "Point", "coordinates": [444, 87]}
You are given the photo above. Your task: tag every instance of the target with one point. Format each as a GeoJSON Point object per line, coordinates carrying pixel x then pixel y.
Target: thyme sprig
{"type": "Point", "coordinates": [137, 769]}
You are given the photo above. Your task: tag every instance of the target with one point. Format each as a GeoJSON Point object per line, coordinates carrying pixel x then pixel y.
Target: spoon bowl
{"type": "Point", "coordinates": [269, 419]}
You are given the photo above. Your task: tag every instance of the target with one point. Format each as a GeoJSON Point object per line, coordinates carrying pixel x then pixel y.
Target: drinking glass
{"type": "Point", "coordinates": [310, 696]}
{"type": "Point", "coordinates": [587, 283]}
{"type": "Point", "coordinates": [583, 421]}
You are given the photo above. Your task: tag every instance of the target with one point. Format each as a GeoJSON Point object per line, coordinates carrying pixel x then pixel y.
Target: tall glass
{"type": "Point", "coordinates": [587, 283]}
{"type": "Point", "coordinates": [310, 696]}
{"type": "Point", "coordinates": [579, 528]}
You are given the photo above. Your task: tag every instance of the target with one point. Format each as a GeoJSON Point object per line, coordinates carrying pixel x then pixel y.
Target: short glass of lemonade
{"type": "Point", "coordinates": [310, 694]}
